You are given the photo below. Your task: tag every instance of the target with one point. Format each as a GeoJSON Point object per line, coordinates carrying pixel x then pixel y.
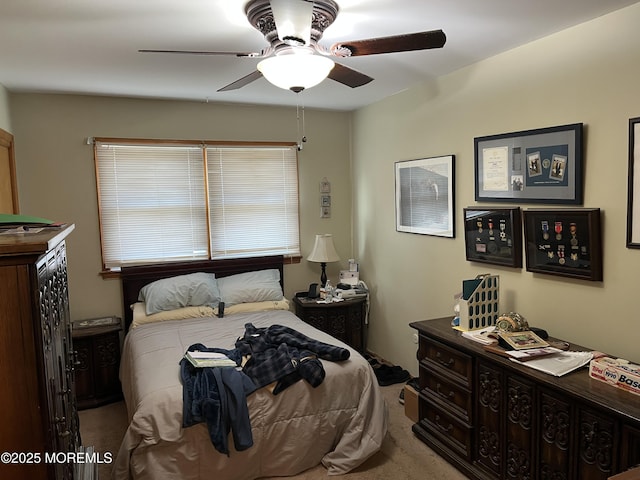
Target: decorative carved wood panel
{"type": "Point", "coordinates": [520, 424]}
{"type": "Point", "coordinates": [490, 412]}
{"type": "Point", "coordinates": [555, 431]}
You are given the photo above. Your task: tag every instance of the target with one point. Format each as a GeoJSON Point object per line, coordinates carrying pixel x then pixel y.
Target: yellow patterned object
{"type": "Point", "coordinates": [511, 322]}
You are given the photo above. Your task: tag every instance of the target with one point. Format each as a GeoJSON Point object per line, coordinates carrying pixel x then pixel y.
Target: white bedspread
{"type": "Point", "coordinates": [341, 423]}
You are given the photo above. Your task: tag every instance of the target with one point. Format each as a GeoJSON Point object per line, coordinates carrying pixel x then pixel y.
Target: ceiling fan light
{"type": "Point", "coordinates": [293, 71]}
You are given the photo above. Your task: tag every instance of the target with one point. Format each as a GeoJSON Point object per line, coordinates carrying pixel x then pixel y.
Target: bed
{"type": "Point", "coordinates": [339, 423]}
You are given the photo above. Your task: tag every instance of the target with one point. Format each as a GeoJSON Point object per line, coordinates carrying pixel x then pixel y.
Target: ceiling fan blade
{"type": "Point", "coordinates": [396, 43]}
{"type": "Point", "coordinates": [195, 52]}
{"type": "Point", "coordinates": [247, 79]}
{"type": "Point", "coordinates": [348, 76]}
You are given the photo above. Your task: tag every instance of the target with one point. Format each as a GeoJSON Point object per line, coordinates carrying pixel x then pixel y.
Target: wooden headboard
{"type": "Point", "coordinates": [134, 278]}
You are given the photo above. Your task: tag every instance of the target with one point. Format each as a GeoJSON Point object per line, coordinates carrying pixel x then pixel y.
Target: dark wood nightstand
{"type": "Point", "coordinates": [97, 365]}
{"type": "Point", "coordinates": [344, 320]}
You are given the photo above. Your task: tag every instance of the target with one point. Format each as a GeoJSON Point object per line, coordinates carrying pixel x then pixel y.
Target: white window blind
{"type": "Point", "coordinates": [153, 202]}
{"type": "Point", "coordinates": [254, 201]}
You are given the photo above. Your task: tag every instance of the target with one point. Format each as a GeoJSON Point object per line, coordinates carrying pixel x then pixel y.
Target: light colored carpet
{"type": "Point", "coordinates": [402, 455]}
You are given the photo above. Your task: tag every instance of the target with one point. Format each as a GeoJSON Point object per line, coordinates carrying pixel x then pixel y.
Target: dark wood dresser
{"type": "Point", "coordinates": [495, 419]}
{"type": "Point", "coordinates": [344, 320]}
{"type": "Point", "coordinates": [37, 404]}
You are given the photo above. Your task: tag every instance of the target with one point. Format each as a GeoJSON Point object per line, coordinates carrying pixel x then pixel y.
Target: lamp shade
{"type": "Point", "coordinates": [323, 250]}
{"type": "Point", "coordinates": [296, 71]}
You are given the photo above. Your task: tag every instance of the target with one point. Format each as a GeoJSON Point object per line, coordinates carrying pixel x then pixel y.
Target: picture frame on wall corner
{"type": "Point", "coordinates": [633, 188]}
{"type": "Point", "coordinates": [493, 235]}
{"type": "Point", "coordinates": [562, 242]}
{"type": "Point", "coordinates": [425, 196]}
{"type": "Point", "coordinates": [532, 166]}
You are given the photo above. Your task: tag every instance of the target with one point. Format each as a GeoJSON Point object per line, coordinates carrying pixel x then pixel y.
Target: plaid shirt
{"type": "Point", "coordinates": [283, 355]}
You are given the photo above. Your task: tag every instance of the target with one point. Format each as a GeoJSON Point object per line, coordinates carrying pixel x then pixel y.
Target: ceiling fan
{"type": "Point", "coordinates": [293, 29]}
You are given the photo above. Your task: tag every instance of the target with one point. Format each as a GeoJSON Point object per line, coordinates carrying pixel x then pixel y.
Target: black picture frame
{"type": "Point", "coordinates": [633, 188]}
{"type": "Point", "coordinates": [532, 166]}
{"type": "Point", "coordinates": [425, 196]}
{"type": "Point", "coordinates": [493, 235]}
{"type": "Point", "coordinates": [567, 243]}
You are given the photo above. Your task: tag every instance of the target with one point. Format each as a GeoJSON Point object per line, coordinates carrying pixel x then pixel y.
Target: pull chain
{"type": "Point", "coordinates": [304, 136]}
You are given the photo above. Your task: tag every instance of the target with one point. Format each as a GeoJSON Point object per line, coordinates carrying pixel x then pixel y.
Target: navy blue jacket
{"type": "Point", "coordinates": [218, 397]}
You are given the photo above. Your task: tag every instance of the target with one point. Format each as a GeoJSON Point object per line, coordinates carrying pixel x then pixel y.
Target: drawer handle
{"type": "Point", "coordinates": [441, 427]}
{"type": "Point", "coordinates": [448, 396]}
{"type": "Point", "coordinates": [448, 364]}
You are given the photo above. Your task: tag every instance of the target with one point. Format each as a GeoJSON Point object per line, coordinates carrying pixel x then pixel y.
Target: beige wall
{"type": "Point", "coordinates": [586, 74]}
{"type": "Point", "coordinates": [57, 178]}
{"type": "Point", "coordinates": [5, 117]}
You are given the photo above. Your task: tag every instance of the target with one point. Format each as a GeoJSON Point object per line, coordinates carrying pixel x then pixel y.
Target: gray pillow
{"type": "Point", "coordinates": [192, 290]}
{"type": "Point", "coordinates": [257, 286]}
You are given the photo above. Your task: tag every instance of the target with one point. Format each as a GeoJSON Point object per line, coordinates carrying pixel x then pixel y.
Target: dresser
{"type": "Point", "coordinates": [37, 403]}
{"type": "Point", "coordinates": [344, 320]}
{"type": "Point", "coordinates": [493, 418]}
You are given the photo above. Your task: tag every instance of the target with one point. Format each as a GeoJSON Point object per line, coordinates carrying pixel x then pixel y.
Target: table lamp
{"type": "Point", "coordinates": [323, 252]}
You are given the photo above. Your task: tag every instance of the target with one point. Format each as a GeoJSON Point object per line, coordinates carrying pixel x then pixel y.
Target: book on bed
{"type": "Point", "coordinates": [209, 359]}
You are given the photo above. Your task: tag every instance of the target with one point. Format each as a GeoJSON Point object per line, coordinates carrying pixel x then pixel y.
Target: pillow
{"type": "Point", "coordinates": [140, 316]}
{"type": "Point", "coordinates": [258, 286]}
{"type": "Point", "coordinates": [255, 307]}
{"type": "Point", "coordinates": [190, 290]}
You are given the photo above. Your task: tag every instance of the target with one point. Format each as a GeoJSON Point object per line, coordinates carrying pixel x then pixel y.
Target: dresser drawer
{"type": "Point", "coordinates": [448, 429]}
{"type": "Point", "coordinates": [448, 396]}
{"type": "Point", "coordinates": [451, 363]}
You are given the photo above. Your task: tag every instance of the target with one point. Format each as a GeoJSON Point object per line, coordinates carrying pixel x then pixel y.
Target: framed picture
{"type": "Point", "coordinates": [424, 196]}
{"type": "Point", "coordinates": [493, 235]}
{"type": "Point", "coordinates": [633, 190]}
{"type": "Point", "coordinates": [532, 166]}
{"type": "Point", "coordinates": [523, 340]}
{"type": "Point", "coordinates": [564, 242]}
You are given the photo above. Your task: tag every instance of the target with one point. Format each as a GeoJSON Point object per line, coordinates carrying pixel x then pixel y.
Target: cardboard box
{"type": "Point", "coordinates": [617, 372]}
{"type": "Point", "coordinates": [633, 474]}
{"type": "Point", "coordinates": [411, 403]}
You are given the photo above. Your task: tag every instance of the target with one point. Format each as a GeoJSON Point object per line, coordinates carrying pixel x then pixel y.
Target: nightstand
{"type": "Point", "coordinates": [344, 320]}
{"type": "Point", "coordinates": [97, 365]}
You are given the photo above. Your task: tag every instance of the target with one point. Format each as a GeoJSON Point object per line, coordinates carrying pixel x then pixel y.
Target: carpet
{"type": "Point", "coordinates": [402, 455]}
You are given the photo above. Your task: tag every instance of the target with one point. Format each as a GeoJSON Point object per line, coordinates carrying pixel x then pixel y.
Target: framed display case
{"type": "Point", "coordinates": [633, 189]}
{"type": "Point", "coordinates": [564, 242]}
{"type": "Point", "coordinates": [493, 235]}
{"type": "Point", "coordinates": [532, 166]}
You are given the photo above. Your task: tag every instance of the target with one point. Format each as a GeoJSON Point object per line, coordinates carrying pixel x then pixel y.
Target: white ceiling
{"type": "Point", "coordinates": [91, 46]}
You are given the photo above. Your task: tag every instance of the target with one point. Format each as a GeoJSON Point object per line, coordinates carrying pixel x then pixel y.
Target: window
{"type": "Point", "coordinates": [185, 201]}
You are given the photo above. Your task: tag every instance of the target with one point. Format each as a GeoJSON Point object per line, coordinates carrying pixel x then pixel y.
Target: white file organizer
{"type": "Point", "coordinates": [480, 309]}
